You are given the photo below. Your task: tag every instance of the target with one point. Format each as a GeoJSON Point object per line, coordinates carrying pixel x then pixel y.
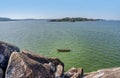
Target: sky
{"type": "Point", "coordinates": [103, 9]}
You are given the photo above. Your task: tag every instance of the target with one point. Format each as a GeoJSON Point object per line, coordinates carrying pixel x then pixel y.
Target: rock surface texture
{"type": "Point", "coordinates": [27, 64]}
{"type": "Point", "coordinates": [74, 73]}
{"type": "Point", "coordinates": [105, 73]}
{"type": "Point", "coordinates": [41, 59]}
{"type": "Point", "coordinates": [56, 66]}
{"type": "Point", "coordinates": [21, 66]}
{"type": "Point", "coordinates": [5, 51]}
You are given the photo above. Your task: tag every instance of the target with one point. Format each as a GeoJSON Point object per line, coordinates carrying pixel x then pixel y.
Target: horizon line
{"type": "Point", "coordinates": [60, 18]}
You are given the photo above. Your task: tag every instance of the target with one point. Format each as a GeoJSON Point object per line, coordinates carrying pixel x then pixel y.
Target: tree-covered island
{"type": "Point", "coordinates": [68, 19]}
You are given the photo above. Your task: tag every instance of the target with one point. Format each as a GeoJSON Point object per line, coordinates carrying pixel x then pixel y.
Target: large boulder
{"type": "Point", "coordinates": [5, 51]}
{"type": "Point", "coordinates": [74, 73]}
{"type": "Point", "coordinates": [58, 67]}
{"type": "Point", "coordinates": [21, 66]}
{"type": "Point", "coordinates": [41, 59]}
{"type": "Point", "coordinates": [104, 73]}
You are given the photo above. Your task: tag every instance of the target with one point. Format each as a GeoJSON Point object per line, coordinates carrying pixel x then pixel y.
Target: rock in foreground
{"type": "Point", "coordinates": [21, 66]}
{"type": "Point", "coordinates": [105, 73]}
{"type": "Point", "coordinates": [74, 73]}
{"type": "Point", "coordinates": [41, 59]}
{"type": "Point", "coordinates": [27, 64]}
{"type": "Point", "coordinates": [5, 51]}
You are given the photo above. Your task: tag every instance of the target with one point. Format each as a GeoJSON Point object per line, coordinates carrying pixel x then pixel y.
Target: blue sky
{"type": "Point", "coordinates": [106, 9]}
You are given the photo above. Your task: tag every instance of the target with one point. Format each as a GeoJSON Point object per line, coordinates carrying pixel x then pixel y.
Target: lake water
{"type": "Point", "coordinates": [94, 45]}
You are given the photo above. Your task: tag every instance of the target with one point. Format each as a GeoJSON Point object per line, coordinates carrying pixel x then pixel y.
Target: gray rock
{"type": "Point", "coordinates": [56, 66]}
{"type": "Point", "coordinates": [104, 73]}
{"type": "Point", "coordinates": [50, 67]}
{"type": "Point", "coordinates": [59, 71]}
{"type": "Point", "coordinates": [41, 59]}
{"type": "Point", "coordinates": [21, 66]}
{"type": "Point", "coordinates": [5, 51]}
{"type": "Point", "coordinates": [74, 73]}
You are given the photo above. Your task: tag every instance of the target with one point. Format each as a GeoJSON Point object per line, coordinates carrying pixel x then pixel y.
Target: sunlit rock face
{"type": "Point", "coordinates": [74, 73]}
{"type": "Point", "coordinates": [27, 64]}
{"type": "Point", "coordinates": [104, 73]}
{"type": "Point", "coordinates": [41, 59]}
{"type": "Point", "coordinates": [21, 66]}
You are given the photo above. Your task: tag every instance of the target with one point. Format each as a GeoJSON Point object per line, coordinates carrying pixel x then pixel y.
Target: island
{"type": "Point", "coordinates": [68, 19]}
{"type": "Point", "coordinates": [5, 19]}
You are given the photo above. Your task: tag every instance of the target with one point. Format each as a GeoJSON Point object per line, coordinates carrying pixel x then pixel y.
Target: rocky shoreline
{"type": "Point", "coordinates": [26, 64]}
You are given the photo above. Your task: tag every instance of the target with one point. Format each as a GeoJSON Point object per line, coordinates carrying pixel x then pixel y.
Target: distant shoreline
{"type": "Point", "coordinates": [27, 19]}
{"type": "Point", "coordinates": [66, 19]}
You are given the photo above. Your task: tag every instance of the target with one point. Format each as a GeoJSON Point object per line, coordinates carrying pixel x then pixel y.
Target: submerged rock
{"type": "Point", "coordinates": [5, 51]}
{"type": "Point", "coordinates": [105, 73]}
{"type": "Point", "coordinates": [21, 66]}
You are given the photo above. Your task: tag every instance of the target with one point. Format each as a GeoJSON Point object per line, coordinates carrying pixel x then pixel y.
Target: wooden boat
{"type": "Point", "coordinates": [63, 50]}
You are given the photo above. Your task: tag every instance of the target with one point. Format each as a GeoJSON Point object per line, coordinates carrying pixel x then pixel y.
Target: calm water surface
{"type": "Point", "coordinates": [94, 45]}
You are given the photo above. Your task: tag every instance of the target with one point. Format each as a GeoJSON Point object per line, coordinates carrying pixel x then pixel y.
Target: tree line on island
{"type": "Point", "coordinates": [68, 19]}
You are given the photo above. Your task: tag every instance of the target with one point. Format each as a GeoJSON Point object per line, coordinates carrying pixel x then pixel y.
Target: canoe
{"type": "Point", "coordinates": [63, 50]}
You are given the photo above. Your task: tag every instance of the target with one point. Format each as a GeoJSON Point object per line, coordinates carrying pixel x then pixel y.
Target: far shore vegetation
{"type": "Point", "coordinates": [68, 19]}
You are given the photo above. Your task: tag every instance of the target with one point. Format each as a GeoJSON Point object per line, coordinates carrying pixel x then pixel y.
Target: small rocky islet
{"type": "Point", "coordinates": [26, 64]}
